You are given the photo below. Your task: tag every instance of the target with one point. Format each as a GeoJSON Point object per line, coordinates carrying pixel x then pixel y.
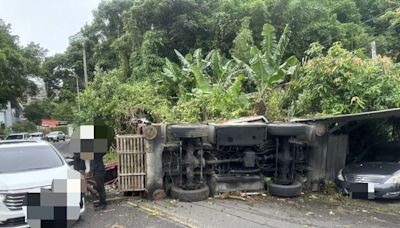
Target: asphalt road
{"type": "Point", "coordinates": [122, 215]}
{"type": "Point", "coordinates": [309, 210]}
{"type": "Point", "coordinates": [63, 147]}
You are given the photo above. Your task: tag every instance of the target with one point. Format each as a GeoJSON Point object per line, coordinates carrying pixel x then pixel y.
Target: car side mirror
{"type": "Point", "coordinates": [70, 161]}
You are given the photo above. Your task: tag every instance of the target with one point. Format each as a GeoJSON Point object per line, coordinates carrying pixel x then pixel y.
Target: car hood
{"type": "Point", "coordinates": [373, 168]}
{"type": "Point", "coordinates": [31, 179]}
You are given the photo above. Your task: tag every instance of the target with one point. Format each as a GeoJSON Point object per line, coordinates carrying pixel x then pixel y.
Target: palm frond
{"type": "Point", "coordinates": [268, 33]}
{"type": "Point", "coordinates": [280, 48]}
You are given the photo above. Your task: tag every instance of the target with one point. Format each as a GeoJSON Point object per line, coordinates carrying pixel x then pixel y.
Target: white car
{"type": "Point", "coordinates": [18, 136]}
{"type": "Point", "coordinates": [36, 136]}
{"type": "Point", "coordinates": [55, 136]}
{"type": "Point", "coordinates": [26, 166]}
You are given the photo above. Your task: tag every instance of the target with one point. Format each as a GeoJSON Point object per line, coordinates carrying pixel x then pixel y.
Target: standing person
{"type": "Point", "coordinates": [89, 143]}
{"type": "Point", "coordinates": [98, 170]}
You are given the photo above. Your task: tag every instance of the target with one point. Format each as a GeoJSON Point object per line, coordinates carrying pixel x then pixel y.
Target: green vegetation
{"type": "Point", "coordinates": [205, 60]}
{"type": "Point", "coordinates": [24, 126]}
{"type": "Point", "coordinates": [15, 63]}
{"type": "Point", "coordinates": [342, 82]}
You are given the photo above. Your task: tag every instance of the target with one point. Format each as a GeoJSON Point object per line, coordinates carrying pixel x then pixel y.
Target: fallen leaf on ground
{"type": "Point", "coordinates": [105, 211]}
{"type": "Point", "coordinates": [309, 213]}
{"type": "Point", "coordinates": [312, 196]}
{"type": "Point", "coordinates": [117, 226]}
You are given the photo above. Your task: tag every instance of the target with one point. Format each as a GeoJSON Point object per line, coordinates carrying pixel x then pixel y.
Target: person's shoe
{"type": "Point", "coordinates": [96, 204]}
{"type": "Point", "coordinates": [100, 207]}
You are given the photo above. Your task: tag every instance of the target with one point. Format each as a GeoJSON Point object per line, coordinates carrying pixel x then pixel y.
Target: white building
{"type": "Point", "coordinates": [41, 89]}
{"type": "Point", "coordinates": [11, 113]}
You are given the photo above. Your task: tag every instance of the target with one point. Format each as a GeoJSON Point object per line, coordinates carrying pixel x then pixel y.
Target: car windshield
{"type": "Point", "coordinates": [36, 135]}
{"type": "Point", "coordinates": [383, 154]}
{"type": "Point", "coordinates": [15, 137]}
{"type": "Point", "coordinates": [20, 159]}
{"type": "Point", "coordinates": [53, 133]}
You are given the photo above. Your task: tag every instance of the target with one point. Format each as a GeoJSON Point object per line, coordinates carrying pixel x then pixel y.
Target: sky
{"type": "Point", "coordinates": [47, 22]}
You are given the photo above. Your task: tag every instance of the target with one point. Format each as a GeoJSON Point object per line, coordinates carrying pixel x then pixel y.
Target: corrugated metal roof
{"type": "Point", "coordinates": [387, 113]}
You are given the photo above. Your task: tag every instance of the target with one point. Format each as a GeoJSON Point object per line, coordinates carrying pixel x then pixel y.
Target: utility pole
{"type": "Point", "coordinates": [373, 49]}
{"type": "Point", "coordinates": [84, 63]}
{"type": "Point", "coordinates": [73, 74]}
{"type": "Point", "coordinates": [77, 90]}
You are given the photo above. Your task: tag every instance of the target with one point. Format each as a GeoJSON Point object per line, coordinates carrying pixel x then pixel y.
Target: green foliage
{"type": "Point", "coordinates": [115, 103]}
{"type": "Point", "coordinates": [209, 88]}
{"type": "Point", "coordinates": [243, 42]}
{"type": "Point", "coordinates": [342, 82]}
{"type": "Point", "coordinates": [15, 63]}
{"type": "Point", "coordinates": [321, 21]}
{"type": "Point", "coordinates": [266, 68]}
{"type": "Point", "coordinates": [274, 106]}
{"type": "Point", "coordinates": [111, 156]}
{"type": "Point", "coordinates": [216, 104]}
{"type": "Point", "coordinates": [38, 110]}
{"type": "Point", "coordinates": [24, 126]}
{"type": "Point", "coordinates": [139, 44]}
{"type": "Point", "coordinates": [151, 61]}
{"type": "Point", "coordinates": [63, 111]}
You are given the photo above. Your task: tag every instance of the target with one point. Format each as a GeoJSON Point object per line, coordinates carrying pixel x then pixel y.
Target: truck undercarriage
{"type": "Point", "coordinates": [198, 161]}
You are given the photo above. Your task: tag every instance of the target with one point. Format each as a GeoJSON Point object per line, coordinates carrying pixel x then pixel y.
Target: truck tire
{"type": "Point", "coordinates": [287, 129]}
{"type": "Point", "coordinates": [285, 190]}
{"type": "Point", "coordinates": [190, 195]}
{"type": "Point", "coordinates": [189, 130]}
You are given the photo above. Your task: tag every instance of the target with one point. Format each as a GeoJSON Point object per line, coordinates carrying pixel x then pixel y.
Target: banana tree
{"type": "Point", "coordinates": [198, 75]}
{"type": "Point", "coordinates": [266, 67]}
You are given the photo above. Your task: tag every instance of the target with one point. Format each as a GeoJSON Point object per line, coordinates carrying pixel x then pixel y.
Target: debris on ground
{"type": "Point", "coordinates": [231, 195]}
{"type": "Point", "coordinates": [309, 213]}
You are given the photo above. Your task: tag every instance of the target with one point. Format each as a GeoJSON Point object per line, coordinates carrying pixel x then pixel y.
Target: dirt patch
{"type": "Point", "coordinates": [335, 206]}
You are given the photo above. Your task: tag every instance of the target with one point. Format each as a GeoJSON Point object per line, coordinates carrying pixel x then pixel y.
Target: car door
{"type": "Point", "coordinates": [60, 136]}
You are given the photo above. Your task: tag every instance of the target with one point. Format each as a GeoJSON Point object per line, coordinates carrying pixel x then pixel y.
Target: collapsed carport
{"type": "Point", "coordinates": [341, 138]}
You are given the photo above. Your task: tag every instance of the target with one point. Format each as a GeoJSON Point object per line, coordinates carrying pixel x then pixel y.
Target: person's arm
{"type": "Point", "coordinates": [87, 164]}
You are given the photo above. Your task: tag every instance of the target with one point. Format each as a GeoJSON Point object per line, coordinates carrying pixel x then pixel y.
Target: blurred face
{"type": "Point", "coordinates": [90, 139]}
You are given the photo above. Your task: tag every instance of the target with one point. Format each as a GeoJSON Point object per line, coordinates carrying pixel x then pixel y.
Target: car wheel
{"type": "Point", "coordinates": [189, 130]}
{"type": "Point", "coordinates": [190, 195]}
{"type": "Point", "coordinates": [291, 190]}
{"type": "Point", "coordinates": [287, 129]}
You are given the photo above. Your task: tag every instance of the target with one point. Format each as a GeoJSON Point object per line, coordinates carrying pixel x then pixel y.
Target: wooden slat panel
{"type": "Point", "coordinates": [131, 158]}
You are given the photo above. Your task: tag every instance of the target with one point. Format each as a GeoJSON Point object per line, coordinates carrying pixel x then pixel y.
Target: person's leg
{"type": "Point", "coordinates": [99, 179]}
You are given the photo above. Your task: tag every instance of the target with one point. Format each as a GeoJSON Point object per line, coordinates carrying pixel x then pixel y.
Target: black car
{"type": "Point", "coordinates": [378, 168]}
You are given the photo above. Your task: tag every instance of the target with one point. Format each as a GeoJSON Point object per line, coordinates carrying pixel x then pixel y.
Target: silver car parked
{"type": "Point", "coordinates": [55, 136]}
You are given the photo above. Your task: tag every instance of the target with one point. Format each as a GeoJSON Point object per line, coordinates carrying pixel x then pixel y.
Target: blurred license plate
{"type": "Point", "coordinates": [362, 190]}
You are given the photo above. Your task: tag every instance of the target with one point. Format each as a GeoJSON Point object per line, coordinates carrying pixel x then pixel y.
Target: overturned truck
{"type": "Point", "coordinates": [192, 162]}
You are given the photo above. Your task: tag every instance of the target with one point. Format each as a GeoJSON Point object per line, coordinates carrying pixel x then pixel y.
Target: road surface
{"type": "Point", "coordinates": [63, 147]}
{"type": "Point", "coordinates": [309, 210]}
{"type": "Point", "coordinates": [122, 215]}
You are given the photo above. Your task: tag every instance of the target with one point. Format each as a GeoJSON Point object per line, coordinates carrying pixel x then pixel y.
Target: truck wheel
{"type": "Point", "coordinates": [287, 129]}
{"type": "Point", "coordinates": [190, 195]}
{"type": "Point", "coordinates": [189, 130]}
{"type": "Point", "coordinates": [285, 190]}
